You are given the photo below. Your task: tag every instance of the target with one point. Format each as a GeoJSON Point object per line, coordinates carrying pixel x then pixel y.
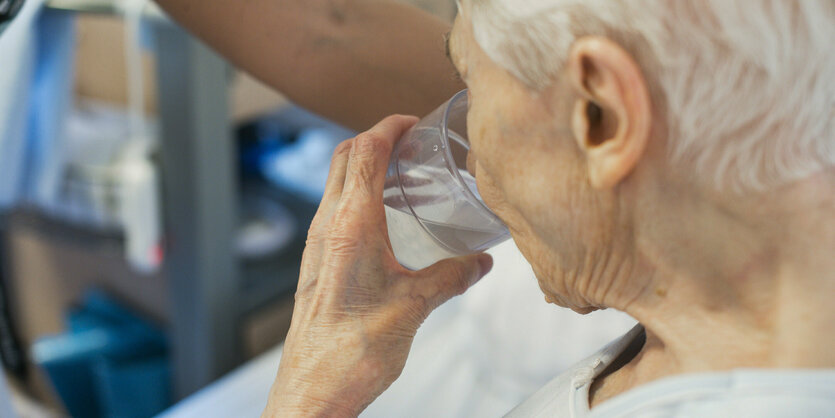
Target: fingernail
{"type": "Point", "coordinates": [485, 263]}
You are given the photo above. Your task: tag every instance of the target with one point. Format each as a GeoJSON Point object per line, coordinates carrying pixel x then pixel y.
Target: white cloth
{"type": "Point", "coordinates": [242, 393]}
{"type": "Point", "coordinates": [484, 352]}
{"type": "Point", "coordinates": [738, 393]}
{"type": "Point", "coordinates": [567, 395]}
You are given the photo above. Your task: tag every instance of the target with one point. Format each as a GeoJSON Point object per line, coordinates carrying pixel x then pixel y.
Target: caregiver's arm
{"type": "Point", "coordinates": [353, 61]}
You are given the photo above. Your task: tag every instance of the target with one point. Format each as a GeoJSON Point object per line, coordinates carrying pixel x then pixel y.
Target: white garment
{"type": "Point", "coordinates": [484, 352]}
{"type": "Point", "coordinates": [738, 393]}
{"type": "Point", "coordinates": [567, 395]}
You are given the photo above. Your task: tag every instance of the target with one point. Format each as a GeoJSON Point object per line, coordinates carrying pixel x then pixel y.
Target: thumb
{"type": "Point", "coordinates": [453, 276]}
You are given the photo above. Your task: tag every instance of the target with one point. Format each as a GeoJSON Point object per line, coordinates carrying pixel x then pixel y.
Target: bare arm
{"type": "Point", "coordinates": [353, 61]}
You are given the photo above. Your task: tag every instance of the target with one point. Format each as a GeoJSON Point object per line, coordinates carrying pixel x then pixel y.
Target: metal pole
{"type": "Point", "coordinates": [200, 208]}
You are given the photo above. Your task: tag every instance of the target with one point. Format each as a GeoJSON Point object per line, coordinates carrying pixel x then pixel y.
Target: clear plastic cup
{"type": "Point", "coordinates": [433, 210]}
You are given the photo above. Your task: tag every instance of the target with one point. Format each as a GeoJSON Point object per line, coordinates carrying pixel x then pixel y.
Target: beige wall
{"type": "Point", "coordinates": [101, 72]}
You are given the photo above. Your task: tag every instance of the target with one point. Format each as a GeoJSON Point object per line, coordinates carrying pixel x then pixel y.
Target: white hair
{"type": "Point", "coordinates": [748, 87]}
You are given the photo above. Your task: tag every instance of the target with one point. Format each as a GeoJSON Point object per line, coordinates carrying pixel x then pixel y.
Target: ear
{"type": "Point", "coordinates": [612, 117]}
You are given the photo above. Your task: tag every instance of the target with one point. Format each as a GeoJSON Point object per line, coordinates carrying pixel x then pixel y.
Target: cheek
{"type": "Point", "coordinates": [535, 197]}
{"type": "Point", "coordinates": [538, 253]}
{"type": "Point", "coordinates": [492, 195]}
{"type": "Point", "coordinates": [498, 172]}
{"type": "Point", "coordinates": [487, 146]}
{"type": "Point", "coordinates": [524, 234]}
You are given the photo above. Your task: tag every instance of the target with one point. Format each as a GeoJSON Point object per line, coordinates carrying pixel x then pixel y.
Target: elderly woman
{"type": "Point", "coordinates": [673, 160]}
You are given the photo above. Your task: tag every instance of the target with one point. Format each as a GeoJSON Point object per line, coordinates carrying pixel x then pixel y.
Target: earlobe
{"type": "Point", "coordinates": [612, 116]}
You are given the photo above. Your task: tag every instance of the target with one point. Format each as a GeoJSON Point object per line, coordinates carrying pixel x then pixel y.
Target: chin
{"type": "Point", "coordinates": [562, 302]}
{"type": "Point", "coordinates": [555, 298]}
{"type": "Point", "coordinates": [584, 311]}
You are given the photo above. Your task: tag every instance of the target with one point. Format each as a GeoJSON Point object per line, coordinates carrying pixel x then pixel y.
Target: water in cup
{"type": "Point", "coordinates": [433, 209]}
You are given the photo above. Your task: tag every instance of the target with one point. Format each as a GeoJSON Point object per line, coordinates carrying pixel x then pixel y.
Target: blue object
{"type": "Point", "coordinates": [127, 389]}
{"type": "Point", "coordinates": [18, 49]}
{"type": "Point", "coordinates": [36, 82]}
{"type": "Point", "coordinates": [303, 166]}
{"type": "Point", "coordinates": [110, 363]}
{"type": "Point", "coordinates": [51, 99]}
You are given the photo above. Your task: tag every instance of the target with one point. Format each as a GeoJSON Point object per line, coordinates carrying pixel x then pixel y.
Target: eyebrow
{"type": "Point", "coordinates": [448, 50]}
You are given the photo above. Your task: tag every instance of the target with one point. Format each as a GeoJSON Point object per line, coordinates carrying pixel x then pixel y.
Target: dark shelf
{"type": "Point", "coordinates": [267, 278]}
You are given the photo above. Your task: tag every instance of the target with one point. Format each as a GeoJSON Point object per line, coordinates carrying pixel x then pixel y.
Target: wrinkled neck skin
{"type": "Point", "coordinates": [732, 285]}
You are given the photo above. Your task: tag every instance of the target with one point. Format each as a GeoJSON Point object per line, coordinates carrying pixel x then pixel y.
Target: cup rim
{"type": "Point", "coordinates": [450, 161]}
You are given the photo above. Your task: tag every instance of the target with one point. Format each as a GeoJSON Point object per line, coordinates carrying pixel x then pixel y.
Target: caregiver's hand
{"type": "Point", "coordinates": [357, 310]}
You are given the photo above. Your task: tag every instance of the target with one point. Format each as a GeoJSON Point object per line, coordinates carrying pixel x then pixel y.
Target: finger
{"type": "Point", "coordinates": [336, 175]}
{"type": "Point", "coordinates": [369, 157]}
{"type": "Point", "coordinates": [451, 277]}
{"type": "Point", "coordinates": [333, 191]}
{"type": "Point", "coordinates": [312, 256]}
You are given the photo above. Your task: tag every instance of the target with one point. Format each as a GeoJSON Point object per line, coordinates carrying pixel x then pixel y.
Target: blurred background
{"type": "Point", "coordinates": [154, 203]}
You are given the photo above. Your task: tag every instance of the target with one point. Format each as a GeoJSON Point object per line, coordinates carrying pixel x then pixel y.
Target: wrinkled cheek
{"type": "Point", "coordinates": [495, 198]}
{"type": "Point", "coordinates": [489, 190]}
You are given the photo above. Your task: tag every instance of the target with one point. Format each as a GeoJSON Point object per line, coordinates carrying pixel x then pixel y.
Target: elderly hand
{"type": "Point", "coordinates": [357, 310]}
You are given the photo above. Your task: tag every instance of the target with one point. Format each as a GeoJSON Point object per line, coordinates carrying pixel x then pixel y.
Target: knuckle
{"type": "Point", "coordinates": [460, 276]}
{"type": "Point", "coordinates": [370, 149]}
{"type": "Point", "coordinates": [343, 148]}
{"type": "Point", "coordinates": [365, 177]}
{"type": "Point", "coordinates": [395, 118]}
{"type": "Point", "coordinates": [370, 144]}
{"type": "Point", "coordinates": [341, 152]}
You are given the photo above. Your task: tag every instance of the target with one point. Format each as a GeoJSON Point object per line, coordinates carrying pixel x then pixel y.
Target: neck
{"type": "Point", "coordinates": [756, 293]}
